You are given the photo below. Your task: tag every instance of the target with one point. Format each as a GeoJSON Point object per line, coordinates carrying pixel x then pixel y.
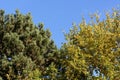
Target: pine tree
{"type": "Point", "coordinates": [26, 50]}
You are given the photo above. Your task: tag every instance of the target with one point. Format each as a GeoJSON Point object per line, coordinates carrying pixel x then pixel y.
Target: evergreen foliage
{"type": "Point", "coordinates": [26, 50]}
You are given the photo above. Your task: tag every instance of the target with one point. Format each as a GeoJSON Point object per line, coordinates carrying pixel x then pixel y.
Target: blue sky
{"type": "Point", "coordinates": [58, 15]}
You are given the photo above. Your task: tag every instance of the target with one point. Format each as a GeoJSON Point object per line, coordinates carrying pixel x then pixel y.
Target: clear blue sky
{"type": "Point", "coordinates": [58, 15]}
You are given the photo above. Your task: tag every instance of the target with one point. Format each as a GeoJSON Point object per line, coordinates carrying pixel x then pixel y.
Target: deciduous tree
{"type": "Point", "coordinates": [92, 50]}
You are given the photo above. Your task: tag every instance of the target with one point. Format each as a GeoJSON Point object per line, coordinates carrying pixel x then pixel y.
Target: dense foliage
{"type": "Point", "coordinates": [92, 51]}
{"type": "Point", "coordinates": [26, 50]}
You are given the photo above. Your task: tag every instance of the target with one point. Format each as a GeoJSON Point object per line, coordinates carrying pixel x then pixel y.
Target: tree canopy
{"type": "Point", "coordinates": [93, 49]}
{"type": "Point", "coordinates": [27, 52]}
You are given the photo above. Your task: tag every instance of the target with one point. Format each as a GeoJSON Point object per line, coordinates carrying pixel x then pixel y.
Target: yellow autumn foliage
{"type": "Point", "coordinates": [94, 45]}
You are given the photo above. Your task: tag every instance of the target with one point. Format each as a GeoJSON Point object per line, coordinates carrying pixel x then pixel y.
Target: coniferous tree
{"type": "Point", "coordinates": [26, 50]}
